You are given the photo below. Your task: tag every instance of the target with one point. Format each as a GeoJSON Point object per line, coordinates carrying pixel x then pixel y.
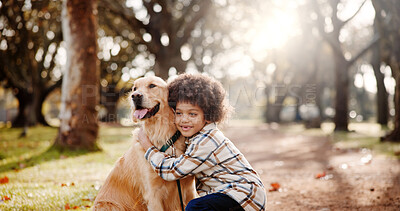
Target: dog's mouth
{"type": "Point", "coordinates": [142, 113]}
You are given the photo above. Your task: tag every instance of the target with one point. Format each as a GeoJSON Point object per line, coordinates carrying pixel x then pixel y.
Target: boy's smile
{"type": "Point", "coordinates": [189, 118]}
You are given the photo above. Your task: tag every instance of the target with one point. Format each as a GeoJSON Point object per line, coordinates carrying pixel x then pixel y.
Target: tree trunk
{"type": "Point", "coordinates": [24, 101]}
{"type": "Point", "coordinates": [382, 95]}
{"type": "Point", "coordinates": [160, 68]}
{"type": "Point", "coordinates": [38, 109]}
{"type": "Point", "coordinates": [394, 135]}
{"type": "Point", "coordinates": [272, 113]}
{"type": "Point", "coordinates": [109, 99]}
{"type": "Point", "coordinates": [30, 109]}
{"type": "Point", "coordinates": [80, 88]}
{"type": "Point", "coordinates": [273, 110]}
{"type": "Point", "coordinates": [342, 94]}
{"type": "Point", "coordinates": [387, 27]}
{"type": "Point", "coordinates": [165, 61]}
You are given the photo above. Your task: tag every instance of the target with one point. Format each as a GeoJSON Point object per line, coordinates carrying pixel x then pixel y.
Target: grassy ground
{"type": "Point", "coordinates": [48, 180]}
{"type": "Point", "coordinates": [32, 178]}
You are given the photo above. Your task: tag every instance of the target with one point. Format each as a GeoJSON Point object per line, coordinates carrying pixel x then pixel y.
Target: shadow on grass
{"type": "Point", "coordinates": [52, 153]}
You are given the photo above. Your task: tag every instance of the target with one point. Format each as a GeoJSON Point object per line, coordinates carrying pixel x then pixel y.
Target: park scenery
{"type": "Point", "coordinates": [314, 85]}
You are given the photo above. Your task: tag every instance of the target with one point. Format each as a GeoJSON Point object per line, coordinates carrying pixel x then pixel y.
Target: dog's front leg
{"type": "Point", "coordinates": [153, 198]}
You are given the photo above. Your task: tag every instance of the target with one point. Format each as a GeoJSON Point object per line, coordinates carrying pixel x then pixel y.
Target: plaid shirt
{"type": "Point", "coordinates": [217, 164]}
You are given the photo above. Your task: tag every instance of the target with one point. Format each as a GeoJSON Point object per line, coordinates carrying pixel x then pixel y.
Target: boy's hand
{"type": "Point", "coordinates": [144, 140]}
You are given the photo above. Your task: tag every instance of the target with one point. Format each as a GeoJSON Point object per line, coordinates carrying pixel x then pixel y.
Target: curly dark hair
{"type": "Point", "coordinates": [200, 90]}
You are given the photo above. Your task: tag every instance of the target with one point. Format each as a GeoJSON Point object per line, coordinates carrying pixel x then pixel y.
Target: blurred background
{"type": "Point", "coordinates": [304, 61]}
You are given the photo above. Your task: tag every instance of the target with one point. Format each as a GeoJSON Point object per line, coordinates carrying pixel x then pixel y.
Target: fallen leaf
{"type": "Point", "coordinates": [5, 198]}
{"type": "Point", "coordinates": [63, 156]}
{"type": "Point", "coordinates": [4, 180]}
{"type": "Point", "coordinates": [21, 165]}
{"type": "Point", "coordinates": [68, 207]}
{"type": "Point", "coordinates": [67, 184]}
{"type": "Point", "coordinates": [320, 175]}
{"type": "Point", "coordinates": [275, 187]}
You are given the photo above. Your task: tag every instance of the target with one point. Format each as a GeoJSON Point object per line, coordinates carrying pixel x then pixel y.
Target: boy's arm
{"type": "Point", "coordinates": [198, 157]}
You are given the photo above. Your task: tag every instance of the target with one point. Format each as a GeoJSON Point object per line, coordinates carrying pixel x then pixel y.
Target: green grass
{"type": "Point", "coordinates": [366, 135]}
{"type": "Point", "coordinates": [362, 135]}
{"type": "Point", "coordinates": [49, 180]}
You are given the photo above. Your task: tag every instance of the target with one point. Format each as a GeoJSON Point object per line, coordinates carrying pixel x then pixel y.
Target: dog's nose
{"type": "Point", "coordinates": [137, 98]}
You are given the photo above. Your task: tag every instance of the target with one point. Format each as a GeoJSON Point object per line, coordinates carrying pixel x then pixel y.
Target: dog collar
{"type": "Point", "coordinates": [171, 141]}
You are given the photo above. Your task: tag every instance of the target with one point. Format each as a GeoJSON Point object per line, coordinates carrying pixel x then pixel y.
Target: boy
{"type": "Point", "coordinates": [226, 179]}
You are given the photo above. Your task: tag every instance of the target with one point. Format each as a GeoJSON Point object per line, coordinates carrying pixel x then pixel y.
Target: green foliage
{"type": "Point", "coordinates": [43, 179]}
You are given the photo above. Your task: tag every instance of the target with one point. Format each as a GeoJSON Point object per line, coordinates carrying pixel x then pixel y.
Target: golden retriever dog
{"type": "Point", "coordinates": [132, 184]}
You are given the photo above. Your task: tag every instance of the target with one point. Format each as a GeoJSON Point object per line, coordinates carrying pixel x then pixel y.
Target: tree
{"type": "Point", "coordinates": [31, 36]}
{"type": "Point", "coordinates": [166, 28]}
{"type": "Point", "coordinates": [80, 89]}
{"type": "Point", "coordinates": [382, 95]}
{"type": "Point", "coordinates": [117, 53]}
{"type": "Point", "coordinates": [388, 24]}
{"type": "Point", "coordinates": [342, 64]}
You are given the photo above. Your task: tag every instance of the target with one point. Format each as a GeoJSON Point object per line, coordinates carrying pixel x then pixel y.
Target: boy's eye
{"type": "Point", "coordinates": [178, 113]}
{"type": "Point", "coordinates": [152, 86]}
{"type": "Point", "coordinates": [192, 114]}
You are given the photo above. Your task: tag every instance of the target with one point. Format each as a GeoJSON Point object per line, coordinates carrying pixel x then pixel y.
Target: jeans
{"type": "Point", "coordinates": [214, 201]}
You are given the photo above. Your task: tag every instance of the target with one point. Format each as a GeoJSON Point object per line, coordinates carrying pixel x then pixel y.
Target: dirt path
{"type": "Point", "coordinates": [354, 179]}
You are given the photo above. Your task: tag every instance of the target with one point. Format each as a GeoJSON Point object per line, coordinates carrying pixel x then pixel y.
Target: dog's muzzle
{"type": "Point", "coordinates": [142, 113]}
{"type": "Point", "coordinates": [137, 99]}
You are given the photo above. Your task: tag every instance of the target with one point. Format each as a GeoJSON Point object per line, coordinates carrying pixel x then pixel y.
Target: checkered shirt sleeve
{"type": "Point", "coordinates": [217, 164]}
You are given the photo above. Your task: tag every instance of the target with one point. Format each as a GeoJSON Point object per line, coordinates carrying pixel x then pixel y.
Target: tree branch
{"type": "Point", "coordinates": [374, 41]}
{"type": "Point", "coordinates": [188, 28]}
{"type": "Point", "coordinates": [116, 8]}
{"type": "Point", "coordinates": [320, 26]}
{"type": "Point", "coordinates": [349, 19]}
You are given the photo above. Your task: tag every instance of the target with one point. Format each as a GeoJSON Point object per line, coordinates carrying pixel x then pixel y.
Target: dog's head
{"type": "Point", "coordinates": [149, 95]}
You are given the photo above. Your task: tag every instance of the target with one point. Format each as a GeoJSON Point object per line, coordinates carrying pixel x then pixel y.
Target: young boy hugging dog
{"type": "Point", "coordinates": [226, 179]}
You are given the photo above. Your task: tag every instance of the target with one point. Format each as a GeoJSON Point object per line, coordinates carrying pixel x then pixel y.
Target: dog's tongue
{"type": "Point", "coordinates": [139, 114]}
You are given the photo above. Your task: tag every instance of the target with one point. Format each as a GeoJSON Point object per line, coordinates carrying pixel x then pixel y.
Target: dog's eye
{"type": "Point", "coordinates": [152, 86]}
{"type": "Point", "coordinates": [134, 88]}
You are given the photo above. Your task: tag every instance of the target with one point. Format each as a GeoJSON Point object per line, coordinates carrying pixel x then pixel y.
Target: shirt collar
{"type": "Point", "coordinates": [205, 129]}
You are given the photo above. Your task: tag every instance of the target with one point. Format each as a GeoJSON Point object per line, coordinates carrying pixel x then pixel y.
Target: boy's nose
{"type": "Point", "coordinates": [184, 118]}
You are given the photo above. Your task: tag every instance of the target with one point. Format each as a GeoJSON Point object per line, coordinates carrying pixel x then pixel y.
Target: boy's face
{"type": "Point", "coordinates": [189, 118]}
